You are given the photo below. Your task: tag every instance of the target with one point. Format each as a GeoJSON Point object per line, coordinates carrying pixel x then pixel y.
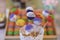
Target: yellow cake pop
{"type": "Point", "coordinates": [20, 22]}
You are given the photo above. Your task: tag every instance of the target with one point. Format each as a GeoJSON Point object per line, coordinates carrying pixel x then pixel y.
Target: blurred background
{"type": "Point", "coordinates": [37, 5]}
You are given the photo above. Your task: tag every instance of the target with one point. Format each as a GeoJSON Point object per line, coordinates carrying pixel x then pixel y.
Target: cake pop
{"type": "Point", "coordinates": [30, 15]}
{"type": "Point", "coordinates": [45, 13]}
{"type": "Point", "coordinates": [28, 27]}
{"type": "Point", "coordinates": [13, 17]}
{"type": "Point", "coordinates": [29, 9]}
{"type": "Point", "coordinates": [37, 21]}
{"type": "Point", "coordinates": [20, 22]}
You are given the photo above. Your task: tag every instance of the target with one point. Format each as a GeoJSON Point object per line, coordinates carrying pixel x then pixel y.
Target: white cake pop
{"type": "Point", "coordinates": [45, 13]}
{"type": "Point", "coordinates": [30, 14]}
{"type": "Point", "coordinates": [29, 8]}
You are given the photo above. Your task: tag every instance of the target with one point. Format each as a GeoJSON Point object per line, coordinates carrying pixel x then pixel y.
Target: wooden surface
{"type": "Point", "coordinates": [17, 37]}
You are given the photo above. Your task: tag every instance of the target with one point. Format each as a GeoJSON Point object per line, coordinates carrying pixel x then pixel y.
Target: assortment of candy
{"type": "Point", "coordinates": [28, 19]}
